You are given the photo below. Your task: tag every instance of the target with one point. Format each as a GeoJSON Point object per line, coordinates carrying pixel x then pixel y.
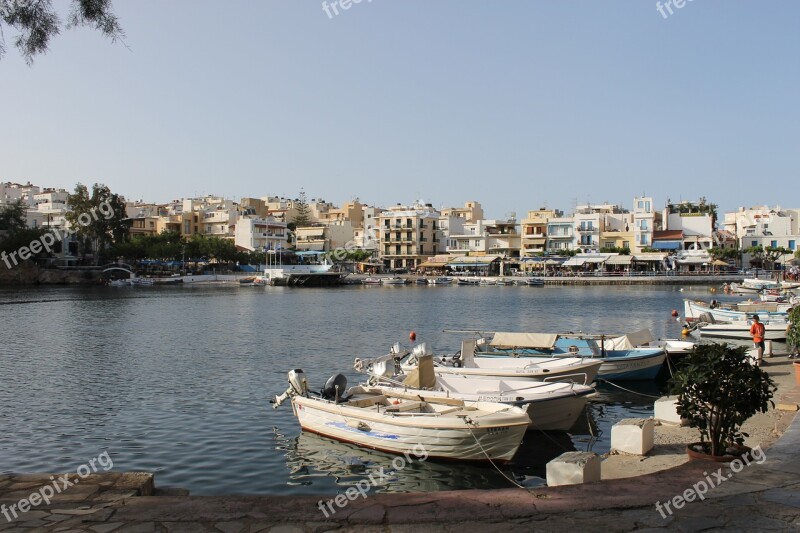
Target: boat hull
{"type": "Point", "coordinates": [526, 369]}
{"type": "Point", "coordinates": [732, 331]}
{"type": "Point", "coordinates": [493, 437]}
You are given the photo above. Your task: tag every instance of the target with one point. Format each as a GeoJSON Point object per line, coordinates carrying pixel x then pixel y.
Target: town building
{"type": "Point", "coordinates": [408, 235]}
{"type": "Point", "coordinates": [533, 235]}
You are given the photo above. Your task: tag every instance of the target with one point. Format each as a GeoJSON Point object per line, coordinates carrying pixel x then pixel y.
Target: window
{"type": "Point", "coordinates": [774, 244]}
{"type": "Point", "coordinates": [753, 243]}
{"type": "Point", "coordinates": [791, 245]}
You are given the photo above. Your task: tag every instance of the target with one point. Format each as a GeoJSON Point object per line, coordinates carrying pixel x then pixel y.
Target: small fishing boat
{"type": "Point", "coordinates": [753, 286]}
{"type": "Point", "coordinates": [464, 363]}
{"type": "Point", "coordinates": [534, 282]}
{"type": "Point", "coordinates": [421, 281]}
{"type": "Point", "coordinates": [141, 282]}
{"type": "Point", "coordinates": [468, 281]}
{"type": "Point", "coordinates": [740, 330]}
{"type": "Point", "coordinates": [402, 423]}
{"type": "Point", "coordinates": [625, 357]}
{"type": "Point", "coordinates": [440, 281]}
{"type": "Point", "coordinates": [551, 406]}
{"type": "Point", "coordinates": [395, 280]}
{"type": "Point", "coordinates": [699, 310]}
{"type": "Point", "coordinates": [371, 281]}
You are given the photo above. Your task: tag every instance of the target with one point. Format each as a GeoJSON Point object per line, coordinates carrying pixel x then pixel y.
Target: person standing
{"type": "Point", "coordinates": [757, 332]}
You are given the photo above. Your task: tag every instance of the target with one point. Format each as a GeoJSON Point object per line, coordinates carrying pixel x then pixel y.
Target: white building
{"type": "Point", "coordinates": [257, 233]}
{"type": "Point", "coordinates": [695, 220]}
{"type": "Point", "coordinates": [483, 237]}
{"type": "Point", "coordinates": [766, 227]}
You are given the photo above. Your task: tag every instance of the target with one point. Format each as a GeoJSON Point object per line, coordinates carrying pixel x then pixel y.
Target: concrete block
{"type": "Point", "coordinates": [666, 411]}
{"type": "Point", "coordinates": [573, 468]}
{"type": "Point", "coordinates": [633, 435]}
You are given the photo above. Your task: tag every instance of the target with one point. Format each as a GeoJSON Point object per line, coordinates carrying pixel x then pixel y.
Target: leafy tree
{"type": "Point", "coordinates": [762, 257]}
{"type": "Point", "coordinates": [303, 216]}
{"type": "Point", "coordinates": [13, 217]}
{"type": "Point", "coordinates": [718, 389]}
{"type": "Point", "coordinates": [615, 250]}
{"type": "Point", "coordinates": [37, 22]}
{"type": "Point", "coordinates": [793, 331]}
{"type": "Point", "coordinates": [98, 220]}
{"type": "Point", "coordinates": [723, 253]}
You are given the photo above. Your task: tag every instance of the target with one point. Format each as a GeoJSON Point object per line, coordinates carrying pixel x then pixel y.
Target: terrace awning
{"type": "Point", "coordinates": [667, 245]}
{"type": "Point", "coordinates": [620, 260]}
{"type": "Point", "coordinates": [574, 261]}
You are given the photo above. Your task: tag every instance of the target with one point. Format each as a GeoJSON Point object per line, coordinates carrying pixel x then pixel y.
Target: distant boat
{"type": "Point", "coordinates": [372, 281]}
{"type": "Point", "coordinates": [468, 281]}
{"type": "Point", "coordinates": [141, 282]}
{"type": "Point", "coordinates": [440, 281]}
{"type": "Point", "coordinates": [753, 286]}
{"type": "Point", "coordinates": [534, 282]}
{"type": "Point", "coordinates": [396, 280]}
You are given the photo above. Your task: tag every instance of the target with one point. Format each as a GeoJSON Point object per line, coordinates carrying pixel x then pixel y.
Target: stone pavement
{"type": "Point", "coordinates": [759, 497]}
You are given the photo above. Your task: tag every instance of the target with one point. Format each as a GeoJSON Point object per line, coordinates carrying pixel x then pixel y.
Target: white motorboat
{"type": "Point", "coordinates": [400, 423]}
{"type": "Point", "coordinates": [624, 357]}
{"type": "Point", "coordinates": [394, 281]}
{"type": "Point", "coordinates": [775, 331]}
{"type": "Point", "coordinates": [371, 281]}
{"type": "Point", "coordinates": [697, 310]}
{"type": "Point", "coordinates": [141, 282]}
{"type": "Point", "coordinates": [552, 406]}
{"type": "Point", "coordinates": [753, 286]}
{"type": "Point", "coordinates": [534, 282]}
{"type": "Point", "coordinates": [440, 281]}
{"type": "Point", "coordinates": [573, 369]}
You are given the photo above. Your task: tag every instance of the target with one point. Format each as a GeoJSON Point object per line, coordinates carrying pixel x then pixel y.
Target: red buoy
{"type": "Point", "coordinates": [412, 336]}
{"type": "Point", "coordinates": [674, 312]}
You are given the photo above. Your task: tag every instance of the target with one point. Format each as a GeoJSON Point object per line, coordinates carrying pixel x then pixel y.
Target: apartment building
{"type": "Point", "coordinates": [408, 235]}
{"type": "Point", "coordinates": [471, 212]}
{"type": "Point", "coordinates": [254, 233]}
{"type": "Point", "coordinates": [533, 236]}
{"type": "Point", "coordinates": [483, 237]}
{"type": "Point", "coordinates": [766, 227]}
{"type": "Point", "coordinates": [695, 220]}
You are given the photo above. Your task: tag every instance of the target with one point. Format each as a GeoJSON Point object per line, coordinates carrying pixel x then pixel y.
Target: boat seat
{"type": "Point", "coordinates": [405, 406]}
{"type": "Point", "coordinates": [367, 402]}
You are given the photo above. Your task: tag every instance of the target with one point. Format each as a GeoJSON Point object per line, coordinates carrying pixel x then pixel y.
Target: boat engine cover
{"type": "Point", "coordinates": [334, 387]}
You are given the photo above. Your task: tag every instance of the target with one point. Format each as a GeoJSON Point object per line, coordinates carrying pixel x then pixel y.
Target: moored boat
{"type": "Point", "coordinates": [740, 330]}
{"type": "Point", "coordinates": [380, 419]}
{"type": "Point", "coordinates": [440, 281]}
{"type": "Point", "coordinates": [534, 282]}
{"type": "Point", "coordinates": [396, 280]}
{"type": "Point", "coordinates": [551, 406]}
{"type": "Point", "coordinates": [698, 310]}
{"type": "Point", "coordinates": [624, 357]}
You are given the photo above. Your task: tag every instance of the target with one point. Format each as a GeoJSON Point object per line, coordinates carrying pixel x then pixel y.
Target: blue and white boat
{"type": "Point", "coordinates": [697, 310]}
{"type": "Point", "coordinates": [626, 357]}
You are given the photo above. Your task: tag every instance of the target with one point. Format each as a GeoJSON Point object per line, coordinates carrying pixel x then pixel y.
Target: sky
{"type": "Point", "coordinates": [518, 104]}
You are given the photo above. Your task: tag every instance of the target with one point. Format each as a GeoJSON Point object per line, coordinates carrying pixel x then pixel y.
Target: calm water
{"type": "Point", "coordinates": [177, 380]}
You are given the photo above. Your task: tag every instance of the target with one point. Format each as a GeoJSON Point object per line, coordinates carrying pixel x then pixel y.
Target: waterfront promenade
{"type": "Point", "coordinates": [759, 497]}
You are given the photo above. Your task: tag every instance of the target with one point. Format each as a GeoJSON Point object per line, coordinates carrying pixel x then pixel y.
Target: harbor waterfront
{"type": "Point", "coordinates": [110, 369]}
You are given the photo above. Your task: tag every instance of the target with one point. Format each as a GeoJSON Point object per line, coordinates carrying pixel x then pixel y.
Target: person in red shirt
{"type": "Point", "coordinates": [757, 332]}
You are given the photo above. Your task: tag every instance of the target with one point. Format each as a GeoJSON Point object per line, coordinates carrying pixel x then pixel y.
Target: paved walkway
{"type": "Point", "coordinates": [764, 496]}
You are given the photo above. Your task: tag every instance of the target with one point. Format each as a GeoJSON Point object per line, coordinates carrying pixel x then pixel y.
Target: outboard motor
{"type": "Point", "coordinates": [334, 388]}
{"type": "Point", "coordinates": [418, 351]}
{"type": "Point", "coordinates": [297, 380]}
{"type": "Point", "coordinates": [297, 385]}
